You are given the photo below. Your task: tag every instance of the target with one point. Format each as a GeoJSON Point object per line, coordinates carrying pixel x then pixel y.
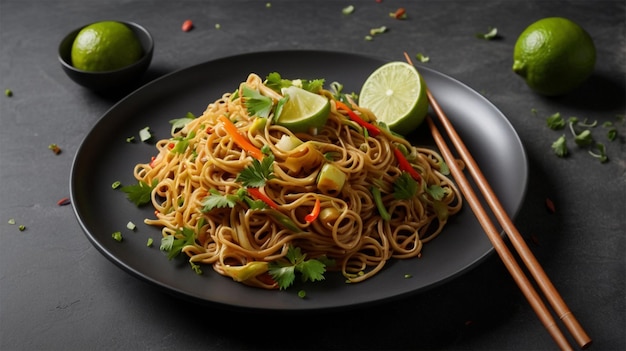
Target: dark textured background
{"type": "Point", "coordinates": [58, 292]}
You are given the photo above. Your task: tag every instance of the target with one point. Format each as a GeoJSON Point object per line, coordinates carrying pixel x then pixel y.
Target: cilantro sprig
{"type": "Point", "coordinates": [275, 82]}
{"type": "Point", "coordinates": [582, 133]}
{"type": "Point", "coordinates": [140, 193]}
{"type": "Point", "coordinates": [173, 244]}
{"type": "Point", "coordinates": [284, 270]}
{"type": "Point", "coordinates": [258, 172]}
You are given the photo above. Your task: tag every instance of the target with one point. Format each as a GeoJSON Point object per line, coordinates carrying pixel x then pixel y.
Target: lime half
{"type": "Point", "coordinates": [303, 111]}
{"type": "Point", "coordinates": [396, 94]}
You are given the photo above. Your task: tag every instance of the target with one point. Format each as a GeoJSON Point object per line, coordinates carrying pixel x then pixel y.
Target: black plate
{"type": "Point", "coordinates": [104, 157]}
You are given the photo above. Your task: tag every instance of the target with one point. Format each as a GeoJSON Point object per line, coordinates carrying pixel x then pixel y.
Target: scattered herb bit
{"type": "Point", "coordinates": [348, 10]}
{"type": "Point", "coordinates": [145, 134]}
{"type": "Point", "coordinates": [283, 270]}
{"type": "Point", "coordinates": [21, 227]}
{"type": "Point", "coordinates": [584, 137]}
{"type": "Point", "coordinates": [492, 33]}
{"type": "Point", "coordinates": [130, 139]}
{"type": "Point", "coordinates": [400, 13]}
{"type": "Point", "coordinates": [150, 242]}
{"type": "Point", "coordinates": [64, 201]}
{"type": "Point", "coordinates": [555, 121]}
{"type": "Point", "coordinates": [422, 58]}
{"type": "Point", "coordinates": [379, 30]}
{"type": "Point", "coordinates": [301, 294]}
{"type": "Point", "coordinates": [117, 236]}
{"type": "Point", "coordinates": [196, 268]}
{"type": "Point", "coordinates": [140, 193]}
{"type": "Point", "coordinates": [601, 154]}
{"type": "Point", "coordinates": [560, 146]}
{"type": "Point", "coordinates": [8, 92]}
{"type": "Point", "coordinates": [116, 184]}
{"type": "Point", "coordinates": [187, 26]}
{"type": "Point", "coordinates": [611, 134]}
{"type": "Point", "coordinates": [407, 276]}
{"type": "Point", "coordinates": [268, 5]}
{"type": "Point", "coordinates": [131, 226]}
{"type": "Point", "coordinates": [55, 148]}
{"type": "Point", "coordinates": [218, 26]}
{"type": "Point", "coordinates": [11, 221]}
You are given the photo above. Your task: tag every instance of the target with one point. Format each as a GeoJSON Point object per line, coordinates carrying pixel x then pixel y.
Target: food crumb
{"type": "Point", "coordinates": [187, 26]}
{"type": "Point", "coordinates": [55, 148]}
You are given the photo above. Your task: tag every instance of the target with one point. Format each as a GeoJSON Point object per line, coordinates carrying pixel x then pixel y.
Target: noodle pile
{"type": "Point", "coordinates": [240, 241]}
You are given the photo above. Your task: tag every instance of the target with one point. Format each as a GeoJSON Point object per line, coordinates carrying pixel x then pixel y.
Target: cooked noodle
{"type": "Point", "coordinates": [349, 228]}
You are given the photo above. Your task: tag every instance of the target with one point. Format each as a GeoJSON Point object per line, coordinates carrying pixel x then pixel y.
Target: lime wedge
{"type": "Point", "coordinates": [396, 94]}
{"type": "Point", "coordinates": [303, 111]}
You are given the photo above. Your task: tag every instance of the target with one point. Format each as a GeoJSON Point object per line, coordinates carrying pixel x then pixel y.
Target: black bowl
{"type": "Point", "coordinates": [108, 80]}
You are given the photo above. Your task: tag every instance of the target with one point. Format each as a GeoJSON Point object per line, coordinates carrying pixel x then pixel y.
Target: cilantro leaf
{"type": "Point", "coordinates": [555, 121]}
{"type": "Point", "coordinates": [140, 193]}
{"type": "Point", "coordinates": [436, 191]}
{"type": "Point", "coordinates": [257, 104]}
{"type": "Point", "coordinates": [560, 146]}
{"type": "Point", "coordinates": [283, 271]}
{"type": "Point", "coordinates": [217, 200]}
{"type": "Point", "coordinates": [313, 86]}
{"type": "Point", "coordinates": [275, 82]}
{"type": "Point", "coordinates": [312, 270]}
{"type": "Point", "coordinates": [257, 173]}
{"type": "Point", "coordinates": [404, 187]}
{"type": "Point", "coordinates": [173, 244]}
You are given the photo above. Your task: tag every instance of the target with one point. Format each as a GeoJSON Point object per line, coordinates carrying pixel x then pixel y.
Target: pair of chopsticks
{"type": "Point", "coordinates": [529, 260]}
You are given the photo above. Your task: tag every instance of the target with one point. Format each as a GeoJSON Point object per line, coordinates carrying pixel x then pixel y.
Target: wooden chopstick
{"type": "Point", "coordinates": [529, 260]}
{"type": "Point", "coordinates": [542, 280]}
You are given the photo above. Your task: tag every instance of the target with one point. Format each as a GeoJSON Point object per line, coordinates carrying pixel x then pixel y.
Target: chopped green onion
{"type": "Point", "coordinates": [117, 236]}
{"type": "Point", "coordinates": [144, 134]}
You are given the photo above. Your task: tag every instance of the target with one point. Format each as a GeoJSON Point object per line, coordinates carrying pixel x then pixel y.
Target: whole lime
{"type": "Point", "coordinates": [554, 55]}
{"type": "Point", "coordinates": [105, 46]}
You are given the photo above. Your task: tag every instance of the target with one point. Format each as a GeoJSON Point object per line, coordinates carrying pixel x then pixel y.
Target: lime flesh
{"type": "Point", "coordinates": [396, 94]}
{"type": "Point", "coordinates": [304, 111]}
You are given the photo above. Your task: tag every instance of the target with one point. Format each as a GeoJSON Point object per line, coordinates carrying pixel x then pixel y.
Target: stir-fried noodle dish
{"type": "Point", "coordinates": [263, 197]}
